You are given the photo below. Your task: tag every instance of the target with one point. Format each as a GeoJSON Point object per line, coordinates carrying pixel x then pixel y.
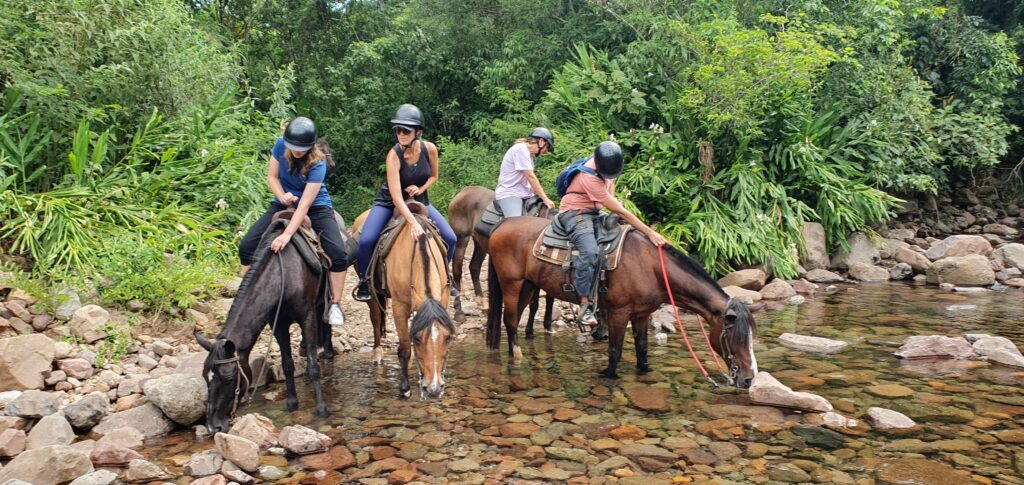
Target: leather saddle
{"type": "Point", "coordinates": [492, 215]}
{"type": "Point", "coordinates": [554, 246]}
{"type": "Point", "coordinates": [312, 252]}
{"type": "Point", "coordinates": [376, 271]}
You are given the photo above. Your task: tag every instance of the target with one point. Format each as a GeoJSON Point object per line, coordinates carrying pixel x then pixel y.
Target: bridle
{"type": "Point", "coordinates": [724, 342]}
{"type": "Point", "coordinates": [238, 382]}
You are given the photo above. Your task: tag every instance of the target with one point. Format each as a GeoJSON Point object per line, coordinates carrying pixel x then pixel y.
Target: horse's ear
{"type": "Point", "coordinates": [204, 342]}
{"type": "Point", "coordinates": [756, 308]}
{"type": "Point", "coordinates": [229, 348]}
{"type": "Point", "coordinates": [731, 315]}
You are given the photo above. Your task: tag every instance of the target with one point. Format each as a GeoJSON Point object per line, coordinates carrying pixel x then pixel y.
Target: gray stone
{"type": "Point", "coordinates": [101, 477]}
{"type": "Point", "coordinates": [917, 261]}
{"type": "Point", "coordinates": [147, 362]}
{"type": "Point", "coordinates": [181, 397]}
{"type": "Point", "coordinates": [203, 464]}
{"type": "Point", "coordinates": [271, 473]}
{"type": "Point", "coordinates": [143, 471]}
{"type": "Point", "coordinates": [147, 419]}
{"type": "Point", "coordinates": [33, 405]}
{"type": "Point", "coordinates": [49, 465]}
{"type": "Point", "coordinates": [750, 279]}
{"type": "Point", "coordinates": [767, 390]}
{"type": "Point", "coordinates": [815, 254]}
{"type": "Point", "coordinates": [789, 473]}
{"type": "Point", "coordinates": [24, 360]}
{"type": "Point", "coordinates": [935, 346]}
{"type": "Point", "coordinates": [778, 289]}
{"type": "Point", "coordinates": [69, 306]}
{"type": "Point", "coordinates": [820, 437]}
{"type": "Point", "coordinates": [900, 272]}
{"type": "Point", "coordinates": [1011, 255]}
{"type": "Point", "coordinates": [1007, 358]}
{"type": "Point", "coordinates": [868, 272]}
{"type": "Point", "coordinates": [972, 270]}
{"type": "Point", "coordinates": [88, 411]}
{"type": "Point", "coordinates": [50, 430]}
{"type": "Point", "coordinates": [89, 323]}
{"type": "Point", "coordinates": [823, 276]}
{"type": "Point", "coordinates": [882, 418]}
{"type": "Point", "coordinates": [959, 245]}
{"type": "Point", "coordinates": [890, 246]}
{"type": "Point", "coordinates": [861, 250]}
{"type": "Point", "coordinates": [988, 344]}
{"type": "Point", "coordinates": [302, 440]}
{"type": "Point", "coordinates": [812, 344]}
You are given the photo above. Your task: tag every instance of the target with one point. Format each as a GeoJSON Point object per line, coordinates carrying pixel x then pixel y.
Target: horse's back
{"type": "Point", "coordinates": [515, 233]}
{"type": "Point", "coordinates": [465, 208]}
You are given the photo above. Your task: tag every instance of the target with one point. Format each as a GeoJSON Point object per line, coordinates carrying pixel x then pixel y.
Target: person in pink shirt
{"type": "Point", "coordinates": [516, 181]}
{"type": "Point", "coordinates": [589, 191]}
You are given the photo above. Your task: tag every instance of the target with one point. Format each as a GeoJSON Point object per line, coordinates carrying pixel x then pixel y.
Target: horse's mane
{"type": "Point", "coordinates": [260, 258]}
{"type": "Point", "coordinates": [693, 266]}
{"type": "Point", "coordinates": [431, 310]}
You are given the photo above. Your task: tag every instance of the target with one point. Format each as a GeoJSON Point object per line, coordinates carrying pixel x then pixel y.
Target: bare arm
{"type": "Point", "coordinates": [434, 167]}
{"type": "Point", "coordinates": [274, 182]}
{"type": "Point", "coordinates": [394, 166]}
{"type": "Point", "coordinates": [616, 207]}
{"type": "Point", "coordinates": [308, 195]}
{"type": "Point", "coordinates": [537, 187]}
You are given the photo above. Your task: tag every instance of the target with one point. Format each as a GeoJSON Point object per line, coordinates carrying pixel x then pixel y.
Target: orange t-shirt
{"type": "Point", "coordinates": [585, 192]}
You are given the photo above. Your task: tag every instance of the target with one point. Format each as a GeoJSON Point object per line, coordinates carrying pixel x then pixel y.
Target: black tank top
{"type": "Point", "coordinates": [409, 174]}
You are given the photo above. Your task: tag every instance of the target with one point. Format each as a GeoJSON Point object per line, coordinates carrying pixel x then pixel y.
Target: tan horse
{"type": "Point", "coordinates": [417, 278]}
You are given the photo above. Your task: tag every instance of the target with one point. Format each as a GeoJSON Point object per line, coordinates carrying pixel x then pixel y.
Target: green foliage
{"type": "Point", "coordinates": [115, 346]}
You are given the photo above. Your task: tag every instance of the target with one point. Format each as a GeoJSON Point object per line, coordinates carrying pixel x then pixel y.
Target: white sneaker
{"type": "Point", "coordinates": [335, 316]}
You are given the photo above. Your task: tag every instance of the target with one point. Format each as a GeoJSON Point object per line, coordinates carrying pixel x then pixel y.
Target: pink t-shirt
{"type": "Point", "coordinates": [511, 181]}
{"type": "Point", "coordinates": [585, 192]}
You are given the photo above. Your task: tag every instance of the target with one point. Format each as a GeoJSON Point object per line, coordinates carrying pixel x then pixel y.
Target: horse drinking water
{"type": "Point", "coordinates": [634, 291]}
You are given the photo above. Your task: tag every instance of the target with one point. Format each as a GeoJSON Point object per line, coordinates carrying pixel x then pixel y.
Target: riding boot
{"type": "Point", "coordinates": [362, 291]}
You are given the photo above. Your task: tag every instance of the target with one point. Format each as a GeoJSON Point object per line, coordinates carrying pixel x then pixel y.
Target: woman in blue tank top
{"type": "Point", "coordinates": [411, 170]}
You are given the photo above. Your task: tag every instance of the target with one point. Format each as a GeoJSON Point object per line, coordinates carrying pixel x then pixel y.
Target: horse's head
{"type": "Point", "coordinates": [226, 383]}
{"type": "Point", "coordinates": [432, 333]}
{"type": "Point", "coordinates": [736, 330]}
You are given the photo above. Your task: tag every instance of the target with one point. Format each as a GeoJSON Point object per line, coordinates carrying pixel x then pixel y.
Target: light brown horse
{"type": "Point", "coordinates": [635, 290]}
{"type": "Point", "coordinates": [463, 213]}
{"type": "Point", "coordinates": [417, 278]}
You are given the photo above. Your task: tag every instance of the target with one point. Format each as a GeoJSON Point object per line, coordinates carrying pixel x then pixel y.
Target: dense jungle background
{"type": "Point", "coordinates": [134, 135]}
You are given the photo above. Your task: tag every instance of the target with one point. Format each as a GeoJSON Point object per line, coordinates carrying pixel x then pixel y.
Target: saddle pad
{"type": "Point", "coordinates": [489, 218]}
{"type": "Point", "coordinates": [611, 249]}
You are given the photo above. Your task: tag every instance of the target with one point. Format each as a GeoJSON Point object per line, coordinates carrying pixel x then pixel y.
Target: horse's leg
{"type": "Point", "coordinates": [616, 321]}
{"type": "Point", "coordinates": [324, 331]}
{"type": "Point", "coordinates": [377, 320]}
{"type": "Point", "coordinates": [310, 328]}
{"type": "Point", "coordinates": [513, 312]}
{"type": "Point", "coordinates": [600, 332]}
{"type": "Point", "coordinates": [475, 264]}
{"type": "Point", "coordinates": [287, 364]}
{"type": "Point", "coordinates": [640, 324]}
{"type": "Point", "coordinates": [549, 308]}
{"type": "Point", "coordinates": [534, 306]}
{"type": "Point", "coordinates": [457, 261]}
{"type": "Point", "coordinates": [401, 312]}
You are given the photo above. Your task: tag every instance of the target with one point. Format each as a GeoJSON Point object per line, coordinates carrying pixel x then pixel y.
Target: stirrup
{"type": "Point", "coordinates": [360, 296]}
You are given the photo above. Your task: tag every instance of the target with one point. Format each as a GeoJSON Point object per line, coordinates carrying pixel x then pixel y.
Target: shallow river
{"type": "Point", "coordinates": [553, 419]}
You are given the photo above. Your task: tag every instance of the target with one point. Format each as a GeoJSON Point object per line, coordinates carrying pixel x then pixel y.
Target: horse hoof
{"type": "Point", "coordinates": [291, 407]}
{"type": "Point", "coordinates": [321, 414]}
{"type": "Point", "coordinates": [609, 374]}
{"type": "Point", "coordinates": [326, 356]}
{"type": "Point", "coordinates": [403, 395]}
{"type": "Point", "coordinates": [644, 369]}
{"type": "Point", "coordinates": [460, 317]}
{"type": "Point", "coordinates": [529, 335]}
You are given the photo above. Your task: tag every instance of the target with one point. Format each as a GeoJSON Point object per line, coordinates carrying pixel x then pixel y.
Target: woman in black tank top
{"type": "Point", "coordinates": [411, 169]}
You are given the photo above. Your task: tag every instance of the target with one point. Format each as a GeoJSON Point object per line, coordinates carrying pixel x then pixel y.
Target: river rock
{"type": "Point", "coordinates": [974, 270]}
{"type": "Point", "coordinates": [302, 440]}
{"type": "Point", "coordinates": [1007, 358]}
{"type": "Point", "coordinates": [99, 477]}
{"type": "Point", "coordinates": [901, 271]}
{"type": "Point", "coordinates": [518, 430]}
{"type": "Point", "coordinates": [917, 261]}
{"type": "Point", "coordinates": [33, 405]}
{"type": "Point", "coordinates": [812, 344]}
{"type": "Point", "coordinates": [918, 470]}
{"type": "Point", "coordinates": [999, 229]}
{"type": "Point", "coordinates": [935, 346]}
{"type": "Point", "coordinates": [129, 438]}
{"type": "Point", "coordinates": [815, 253]}
{"type": "Point", "coordinates": [50, 465]}
{"type": "Point", "coordinates": [147, 419]}
{"type": "Point", "coordinates": [822, 276]}
{"type": "Point", "coordinates": [109, 454]}
{"type": "Point", "coordinates": [988, 344]}
{"type": "Point", "coordinates": [220, 480]}
{"type": "Point", "coordinates": [778, 289]}
{"type": "Point", "coordinates": [239, 451]}
{"type": "Point", "coordinates": [69, 306]}
{"type": "Point", "coordinates": [882, 418]}
{"type": "Point", "coordinates": [890, 246]}
{"type": "Point", "coordinates": [338, 458]}
{"type": "Point", "coordinates": [819, 437]}
{"type": "Point", "coordinates": [767, 390]}
{"type": "Point", "coordinates": [256, 428]}
{"type": "Point", "coordinates": [744, 295]}
{"type": "Point", "coordinates": [88, 411]}
{"type": "Point", "coordinates": [24, 360]}
{"type": "Point", "coordinates": [868, 272]}
{"type": "Point", "coordinates": [51, 430]}
{"type": "Point", "coordinates": [12, 442]}
{"type": "Point", "coordinates": [1011, 255]}
{"type": "Point", "coordinates": [203, 464]}
{"type": "Point", "coordinates": [181, 397]}
{"type": "Point", "coordinates": [648, 398]}
{"type": "Point", "coordinates": [959, 245]}
{"type": "Point", "coordinates": [143, 471]}
{"type": "Point", "coordinates": [89, 323]}
{"type": "Point", "coordinates": [890, 390]}
{"type": "Point", "coordinates": [78, 368]}
{"type": "Point", "coordinates": [750, 279]}
{"type": "Point", "coordinates": [861, 250]}
{"type": "Point", "coordinates": [788, 473]}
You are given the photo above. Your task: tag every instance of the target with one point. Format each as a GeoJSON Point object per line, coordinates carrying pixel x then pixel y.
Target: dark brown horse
{"type": "Point", "coordinates": [279, 287]}
{"type": "Point", "coordinates": [635, 290]}
{"type": "Point", "coordinates": [463, 213]}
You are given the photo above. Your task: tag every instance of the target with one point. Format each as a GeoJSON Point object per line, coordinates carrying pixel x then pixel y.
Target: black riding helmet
{"type": "Point", "coordinates": [300, 135]}
{"type": "Point", "coordinates": [608, 158]}
{"type": "Point", "coordinates": [543, 133]}
{"type": "Point", "coordinates": [408, 115]}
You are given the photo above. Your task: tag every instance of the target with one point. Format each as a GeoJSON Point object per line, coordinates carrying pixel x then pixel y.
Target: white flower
{"type": "Point", "coordinates": [761, 217]}
{"type": "Point", "coordinates": [611, 137]}
{"type": "Point", "coordinates": [204, 152]}
{"type": "Point", "coordinates": [656, 128]}
{"type": "Point", "coordinates": [222, 204]}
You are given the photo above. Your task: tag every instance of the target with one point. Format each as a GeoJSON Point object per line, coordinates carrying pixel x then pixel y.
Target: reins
{"type": "Point", "coordinates": [682, 330]}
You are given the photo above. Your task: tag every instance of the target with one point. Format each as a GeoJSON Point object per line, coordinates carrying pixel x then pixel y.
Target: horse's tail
{"type": "Point", "coordinates": [494, 299]}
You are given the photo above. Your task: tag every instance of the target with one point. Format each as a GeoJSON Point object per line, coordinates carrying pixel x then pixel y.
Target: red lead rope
{"type": "Point", "coordinates": [682, 330]}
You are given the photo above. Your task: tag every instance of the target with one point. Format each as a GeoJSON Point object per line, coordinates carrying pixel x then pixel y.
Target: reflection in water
{"type": "Point", "coordinates": [961, 404]}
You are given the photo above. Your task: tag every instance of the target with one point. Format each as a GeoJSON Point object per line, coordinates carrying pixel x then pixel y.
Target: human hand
{"type": "Point", "coordinates": [549, 203]}
{"type": "Point", "coordinates": [417, 231]}
{"type": "Point", "coordinates": [412, 190]}
{"type": "Point", "coordinates": [656, 238]}
{"type": "Point", "coordinates": [288, 199]}
{"type": "Point", "coordinates": [280, 242]}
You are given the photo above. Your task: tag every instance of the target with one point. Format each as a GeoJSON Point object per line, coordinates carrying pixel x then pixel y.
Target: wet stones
{"type": "Point", "coordinates": [648, 398]}
{"type": "Point", "coordinates": [240, 451]}
{"type": "Point", "coordinates": [518, 430]}
{"type": "Point", "coordinates": [181, 397]}
{"type": "Point", "coordinates": [256, 428]}
{"type": "Point", "coordinates": [203, 464]}
{"type": "Point", "coordinates": [338, 458]}
{"type": "Point", "coordinates": [890, 390]}
{"type": "Point", "coordinates": [917, 470]}
{"type": "Point", "coordinates": [812, 344]}
{"type": "Point", "coordinates": [765, 389]}
{"type": "Point", "coordinates": [973, 270]}
{"type": "Point", "coordinates": [820, 437]}
{"type": "Point", "coordinates": [885, 419]}
{"type": "Point", "coordinates": [302, 440]}
{"type": "Point", "coordinates": [935, 346]}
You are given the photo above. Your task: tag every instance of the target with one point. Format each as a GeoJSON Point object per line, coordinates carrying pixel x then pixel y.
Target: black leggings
{"type": "Point", "coordinates": [324, 226]}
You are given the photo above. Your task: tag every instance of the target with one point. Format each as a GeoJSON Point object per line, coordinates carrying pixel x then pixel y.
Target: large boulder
{"type": "Point", "coordinates": [256, 428]}
{"type": "Point", "coordinates": [890, 246]}
{"type": "Point", "coordinates": [88, 411]}
{"type": "Point", "coordinates": [974, 270]}
{"type": "Point", "coordinates": [815, 254]}
{"type": "Point", "coordinates": [191, 363]}
{"type": "Point", "coordinates": [49, 431]}
{"type": "Point", "coordinates": [33, 405]}
{"type": "Point", "coordinates": [750, 279]}
{"type": "Point", "coordinates": [12, 442]}
{"type": "Point", "coordinates": [1011, 255]}
{"type": "Point", "coordinates": [240, 451]}
{"type": "Point", "coordinates": [100, 477]}
{"type": "Point", "coordinates": [822, 276]}
{"type": "Point", "coordinates": [1000, 229]}
{"type": "Point", "coordinates": [767, 390]}
{"type": "Point", "coordinates": [181, 397]}
{"type": "Point", "coordinates": [147, 419]}
{"type": "Point", "coordinates": [778, 289]}
{"type": "Point", "coordinates": [959, 245]}
{"type": "Point", "coordinates": [89, 323]}
{"type": "Point", "coordinates": [861, 250]}
{"type": "Point", "coordinates": [742, 294]}
{"type": "Point", "coordinates": [917, 261]}
{"type": "Point", "coordinates": [935, 346]}
{"type": "Point", "coordinates": [868, 272]}
{"type": "Point", "coordinates": [24, 360]}
{"type": "Point", "coordinates": [49, 465]}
